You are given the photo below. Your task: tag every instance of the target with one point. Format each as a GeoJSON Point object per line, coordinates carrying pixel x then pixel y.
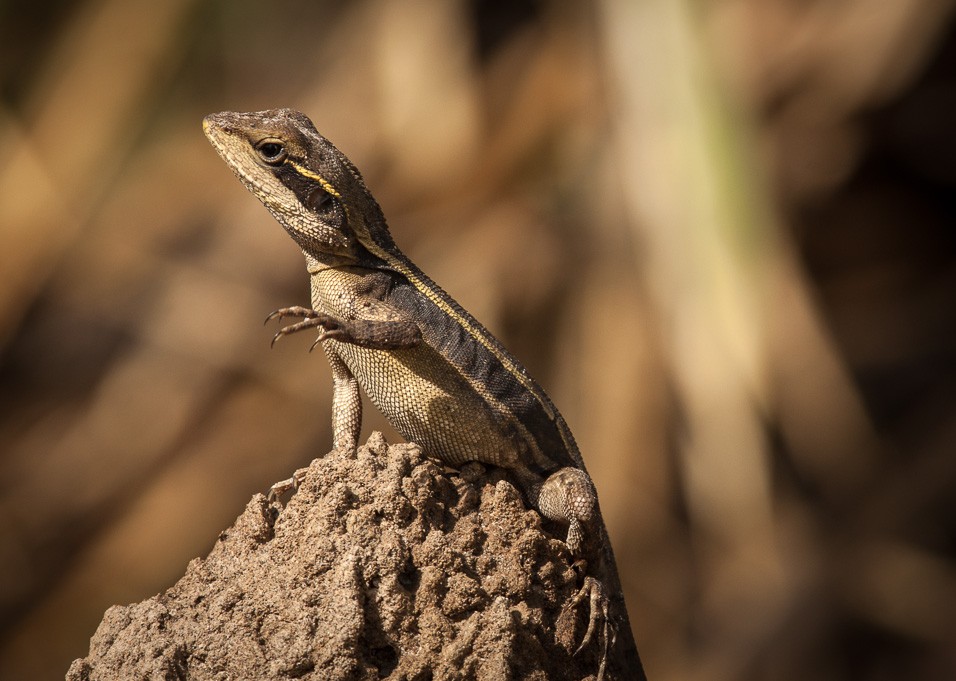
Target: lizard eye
{"type": "Point", "coordinates": [271, 151]}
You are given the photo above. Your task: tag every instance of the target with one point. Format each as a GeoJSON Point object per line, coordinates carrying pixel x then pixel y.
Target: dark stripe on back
{"type": "Point", "coordinates": [473, 360]}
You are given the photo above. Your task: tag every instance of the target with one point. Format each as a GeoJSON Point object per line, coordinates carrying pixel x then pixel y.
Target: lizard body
{"type": "Point", "coordinates": [435, 372]}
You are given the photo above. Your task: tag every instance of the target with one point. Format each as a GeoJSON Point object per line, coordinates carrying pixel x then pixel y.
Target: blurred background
{"type": "Point", "coordinates": [719, 232]}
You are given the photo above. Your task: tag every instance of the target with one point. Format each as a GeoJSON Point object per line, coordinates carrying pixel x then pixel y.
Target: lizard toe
{"type": "Point", "coordinates": [598, 619]}
{"type": "Point", "coordinates": [283, 486]}
{"type": "Point", "coordinates": [293, 311]}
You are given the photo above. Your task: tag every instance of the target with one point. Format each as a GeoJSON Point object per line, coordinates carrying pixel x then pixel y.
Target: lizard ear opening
{"type": "Point", "coordinates": [272, 151]}
{"type": "Point", "coordinates": [319, 200]}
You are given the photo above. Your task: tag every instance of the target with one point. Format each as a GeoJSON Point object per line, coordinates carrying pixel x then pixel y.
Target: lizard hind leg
{"type": "Point", "coordinates": [568, 496]}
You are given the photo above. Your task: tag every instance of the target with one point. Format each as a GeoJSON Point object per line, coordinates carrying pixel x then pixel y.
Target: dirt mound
{"type": "Point", "coordinates": [382, 565]}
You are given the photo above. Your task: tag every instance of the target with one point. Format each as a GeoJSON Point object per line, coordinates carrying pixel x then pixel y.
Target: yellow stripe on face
{"type": "Point", "coordinates": [305, 172]}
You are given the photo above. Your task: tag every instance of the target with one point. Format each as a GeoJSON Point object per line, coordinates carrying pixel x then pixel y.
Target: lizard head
{"type": "Point", "coordinates": [307, 184]}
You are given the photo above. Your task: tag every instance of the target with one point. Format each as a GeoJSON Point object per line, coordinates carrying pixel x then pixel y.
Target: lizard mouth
{"type": "Point", "coordinates": [217, 129]}
{"type": "Point", "coordinates": [214, 128]}
{"type": "Point", "coordinates": [214, 133]}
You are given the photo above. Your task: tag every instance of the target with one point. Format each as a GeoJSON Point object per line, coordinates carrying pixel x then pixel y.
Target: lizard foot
{"type": "Point", "coordinates": [593, 590]}
{"type": "Point", "coordinates": [311, 320]}
{"type": "Point", "coordinates": [283, 486]}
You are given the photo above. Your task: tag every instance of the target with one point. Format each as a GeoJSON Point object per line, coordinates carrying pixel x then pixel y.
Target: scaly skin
{"type": "Point", "coordinates": [438, 375]}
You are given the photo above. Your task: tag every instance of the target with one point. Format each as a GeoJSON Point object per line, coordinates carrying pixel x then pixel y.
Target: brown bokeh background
{"type": "Point", "coordinates": [720, 233]}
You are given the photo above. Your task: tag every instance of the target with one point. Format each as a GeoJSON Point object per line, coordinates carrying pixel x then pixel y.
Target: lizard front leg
{"type": "Point", "coordinates": [346, 419]}
{"type": "Point", "coordinates": [381, 328]}
{"type": "Point", "coordinates": [380, 335]}
{"type": "Point", "coordinates": [346, 404]}
{"type": "Point", "coordinates": [386, 332]}
{"type": "Point", "coordinates": [311, 319]}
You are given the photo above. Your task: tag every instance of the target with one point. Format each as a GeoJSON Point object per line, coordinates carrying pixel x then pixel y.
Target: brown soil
{"type": "Point", "coordinates": [382, 565]}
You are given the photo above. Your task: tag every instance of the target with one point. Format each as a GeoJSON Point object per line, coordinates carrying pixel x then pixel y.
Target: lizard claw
{"type": "Point", "coordinates": [593, 590]}
{"type": "Point", "coordinates": [323, 321]}
{"type": "Point", "coordinates": [294, 311]}
{"type": "Point", "coordinates": [328, 332]}
{"type": "Point", "coordinates": [310, 319]}
{"type": "Point", "coordinates": [283, 486]}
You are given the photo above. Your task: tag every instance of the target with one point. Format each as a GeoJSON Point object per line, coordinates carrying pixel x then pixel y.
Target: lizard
{"type": "Point", "coordinates": [439, 377]}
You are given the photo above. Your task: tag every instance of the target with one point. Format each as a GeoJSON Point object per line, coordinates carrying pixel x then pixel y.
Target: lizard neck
{"type": "Point", "coordinates": [315, 264]}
